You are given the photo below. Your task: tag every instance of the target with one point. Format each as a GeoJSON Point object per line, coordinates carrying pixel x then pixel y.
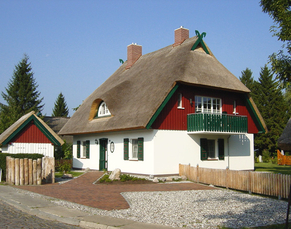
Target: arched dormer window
{"type": "Point", "coordinates": [103, 110]}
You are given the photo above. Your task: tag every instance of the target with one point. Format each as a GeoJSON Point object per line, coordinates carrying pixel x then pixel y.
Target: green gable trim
{"type": "Point", "coordinates": [39, 125]}
{"type": "Point", "coordinates": [254, 116]}
{"type": "Point", "coordinates": [200, 41]}
{"type": "Point", "coordinates": [159, 110]}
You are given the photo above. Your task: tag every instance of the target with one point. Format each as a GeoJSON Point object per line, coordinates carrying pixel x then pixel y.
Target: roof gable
{"type": "Point", "coordinates": [21, 123]}
{"type": "Point", "coordinates": [200, 42]}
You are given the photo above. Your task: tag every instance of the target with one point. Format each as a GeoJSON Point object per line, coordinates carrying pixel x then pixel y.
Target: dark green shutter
{"type": "Point", "coordinates": [140, 149]}
{"type": "Point", "coordinates": [78, 148]}
{"type": "Point", "coordinates": [203, 146]}
{"type": "Point", "coordinates": [221, 149]}
{"type": "Point", "coordinates": [125, 148]}
{"type": "Point", "coordinates": [87, 149]}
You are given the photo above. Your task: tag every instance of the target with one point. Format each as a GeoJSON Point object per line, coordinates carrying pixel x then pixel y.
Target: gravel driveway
{"type": "Point", "coordinates": [197, 209]}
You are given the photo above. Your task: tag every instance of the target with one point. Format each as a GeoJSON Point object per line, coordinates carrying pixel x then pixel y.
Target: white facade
{"type": "Point", "coordinates": [164, 150]}
{"type": "Point", "coordinates": [46, 149]}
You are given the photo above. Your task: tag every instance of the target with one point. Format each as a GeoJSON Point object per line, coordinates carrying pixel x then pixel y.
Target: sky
{"type": "Point", "coordinates": [75, 45]}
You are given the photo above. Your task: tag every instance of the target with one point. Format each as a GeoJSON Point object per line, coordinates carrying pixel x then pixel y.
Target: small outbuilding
{"type": "Point", "coordinates": [30, 134]}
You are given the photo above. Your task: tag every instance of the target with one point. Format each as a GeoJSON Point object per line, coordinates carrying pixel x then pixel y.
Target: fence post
{"type": "Point", "coordinates": [12, 170]}
{"type": "Point", "coordinates": [38, 171]}
{"type": "Point", "coordinates": [250, 182]}
{"type": "Point", "coordinates": [30, 182]}
{"type": "Point", "coordinates": [7, 170]}
{"type": "Point", "coordinates": [25, 165]}
{"type": "Point", "coordinates": [197, 176]}
{"type": "Point", "coordinates": [21, 172]}
{"type": "Point", "coordinates": [226, 177]}
{"type": "Point", "coordinates": [34, 172]}
{"type": "Point", "coordinates": [289, 202]}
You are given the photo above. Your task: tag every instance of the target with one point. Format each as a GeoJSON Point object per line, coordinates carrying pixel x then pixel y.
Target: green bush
{"type": "Point", "coordinates": [105, 178]}
{"type": "Point", "coordinates": [274, 160]}
{"type": "Point", "coordinates": [266, 156]}
{"type": "Point", "coordinates": [19, 155]}
{"type": "Point", "coordinates": [65, 167]}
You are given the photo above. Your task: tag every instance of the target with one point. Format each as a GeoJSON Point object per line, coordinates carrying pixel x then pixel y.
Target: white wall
{"type": "Point", "coordinates": [241, 148]}
{"type": "Point", "coordinates": [164, 150]}
{"type": "Point", "coordinates": [46, 149]}
{"type": "Point", "coordinates": [115, 159]}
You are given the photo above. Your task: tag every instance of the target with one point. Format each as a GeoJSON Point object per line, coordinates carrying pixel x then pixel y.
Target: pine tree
{"type": "Point", "coordinates": [21, 95]}
{"type": "Point", "coordinates": [274, 109]}
{"type": "Point", "coordinates": [60, 109]}
{"type": "Point", "coordinates": [247, 78]}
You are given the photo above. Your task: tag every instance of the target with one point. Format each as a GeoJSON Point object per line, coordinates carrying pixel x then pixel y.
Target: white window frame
{"type": "Point", "coordinates": [83, 150]}
{"type": "Point", "coordinates": [103, 110]}
{"type": "Point", "coordinates": [180, 101]}
{"type": "Point", "coordinates": [215, 148]}
{"type": "Point", "coordinates": [133, 146]}
{"type": "Point", "coordinates": [207, 105]}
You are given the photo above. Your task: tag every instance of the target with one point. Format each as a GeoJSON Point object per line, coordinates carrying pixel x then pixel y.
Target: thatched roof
{"type": "Point", "coordinates": [16, 127]}
{"type": "Point", "coordinates": [133, 95]}
{"type": "Point", "coordinates": [56, 123]}
{"type": "Point", "coordinates": [284, 141]}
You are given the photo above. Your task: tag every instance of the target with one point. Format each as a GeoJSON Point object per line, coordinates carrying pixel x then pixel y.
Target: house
{"type": "Point", "coordinates": [56, 124]}
{"type": "Point", "coordinates": [176, 105]}
{"type": "Point", "coordinates": [30, 134]}
{"type": "Point", "coordinates": [284, 141]}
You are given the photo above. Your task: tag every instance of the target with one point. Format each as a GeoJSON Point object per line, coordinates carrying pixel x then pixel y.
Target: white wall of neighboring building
{"type": "Point", "coordinates": [46, 149]}
{"type": "Point", "coordinates": [164, 150]}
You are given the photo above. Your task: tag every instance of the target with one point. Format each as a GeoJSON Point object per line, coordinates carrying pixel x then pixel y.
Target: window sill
{"type": "Point", "coordinates": [133, 159]}
{"type": "Point", "coordinates": [181, 108]}
{"type": "Point", "coordinates": [212, 159]}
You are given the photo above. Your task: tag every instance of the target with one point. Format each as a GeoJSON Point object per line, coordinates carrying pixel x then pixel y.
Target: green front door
{"type": "Point", "coordinates": [103, 154]}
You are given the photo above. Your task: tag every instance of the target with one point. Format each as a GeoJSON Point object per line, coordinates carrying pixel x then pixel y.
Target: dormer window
{"type": "Point", "coordinates": [103, 110]}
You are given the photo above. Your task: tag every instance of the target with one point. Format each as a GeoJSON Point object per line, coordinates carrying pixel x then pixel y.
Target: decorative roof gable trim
{"type": "Point", "coordinates": [254, 112]}
{"type": "Point", "coordinates": [166, 100]}
{"type": "Point", "coordinates": [39, 125]}
{"type": "Point", "coordinates": [200, 41]}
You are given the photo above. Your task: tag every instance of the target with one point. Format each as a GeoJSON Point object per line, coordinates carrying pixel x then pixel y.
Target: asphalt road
{"type": "Point", "coordinates": [10, 217]}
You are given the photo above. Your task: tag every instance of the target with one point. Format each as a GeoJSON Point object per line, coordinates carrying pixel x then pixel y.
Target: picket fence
{"type": "Point", "coordinates": [254, 182]}
{"type": "Point", "coordinates": [30, 172]}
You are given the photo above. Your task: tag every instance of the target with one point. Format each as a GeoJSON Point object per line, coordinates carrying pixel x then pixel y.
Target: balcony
{"type": "Point", "coordinates": [216, 123]}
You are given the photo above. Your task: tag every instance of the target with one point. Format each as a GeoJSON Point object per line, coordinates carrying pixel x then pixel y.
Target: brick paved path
{"type": "Point", "coordinates": [10, 217]}
{"type": "Point", "coordinates": [82, 191]}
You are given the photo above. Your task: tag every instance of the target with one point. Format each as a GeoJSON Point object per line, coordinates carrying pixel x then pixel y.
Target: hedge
{"type": "Point", "coordinates": [19, 155]}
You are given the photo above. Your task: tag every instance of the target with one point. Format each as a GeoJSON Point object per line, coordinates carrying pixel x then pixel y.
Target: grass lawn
{"type": "Point", "coordinates": [75, 174]}
{"type": "Point", "coordinates": [273, 168]}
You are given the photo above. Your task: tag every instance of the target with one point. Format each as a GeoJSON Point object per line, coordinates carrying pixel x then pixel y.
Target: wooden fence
{"type": "Point", "coordinates": [283, 159]}
{"type": "Point", "coordinates": [254, 182]}
{"type": "Point", "coordinates": [30, 172]}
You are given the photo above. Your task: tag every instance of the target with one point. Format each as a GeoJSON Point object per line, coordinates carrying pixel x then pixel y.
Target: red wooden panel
{"type": "Point", "coordinates": [31, 134]}
{"type": "Point", "coordinates": [174, 118]}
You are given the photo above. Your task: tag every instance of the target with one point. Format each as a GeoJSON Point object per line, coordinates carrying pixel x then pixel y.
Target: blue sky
{"type": "Point", "coordinates": [75, 45]}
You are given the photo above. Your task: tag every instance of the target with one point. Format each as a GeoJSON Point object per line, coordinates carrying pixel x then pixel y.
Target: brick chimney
{"type": "Point", "coordinates": [134, 52]}
{"type": "Point", "coordinates": [181, 34]}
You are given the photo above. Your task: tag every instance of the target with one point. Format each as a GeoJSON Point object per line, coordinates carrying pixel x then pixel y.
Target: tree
{"type": "Point", "coordinates": [60, 109]}
{"type": "Point", "coordinates": [21, 95]}
{"type": "Point", "coordinates": [279, 11]}
{"type": "Point", "coordinates": [273, 107]}
{"type": "Point", "coordinates": [247, 79]}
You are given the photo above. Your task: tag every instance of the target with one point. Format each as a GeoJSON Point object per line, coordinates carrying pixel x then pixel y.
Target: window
{"type": "Point", "coordinates": [133, 149]}
{"type": "Point", "coordinates": [180, 104]}
{"type": "Point", "coordinates": [103, 110]}
{"type": "Point", "coordinates": [83, 152]}
{"type": "Point", "coordinates": [207, 105]}
{"type": "Point", "coordinates": [210, 151]}
{"type": "Point", "coordinates": [234, 108]}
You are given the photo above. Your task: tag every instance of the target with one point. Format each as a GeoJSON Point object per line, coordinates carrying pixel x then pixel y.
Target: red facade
{"type": "Point", "coordinates": [31, 134]}
{"type": "Point", "coordinates": [174, 118]}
